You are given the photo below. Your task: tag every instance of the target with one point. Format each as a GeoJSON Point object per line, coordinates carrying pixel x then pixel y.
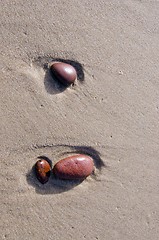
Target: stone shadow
{"type": "Point", "coordinates": [88, 150]}
{"type": "Point", "coordinates": [53, 186]}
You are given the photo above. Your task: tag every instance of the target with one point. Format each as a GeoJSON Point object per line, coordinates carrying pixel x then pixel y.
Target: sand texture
{"type": "Point", "coordinates": [111, 114]}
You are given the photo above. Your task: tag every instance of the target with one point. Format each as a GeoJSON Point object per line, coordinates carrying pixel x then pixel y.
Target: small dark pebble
{"type": "Point", "coordinates": [64, 72]}
{"type": "Point", "coordinates": [43, 170]}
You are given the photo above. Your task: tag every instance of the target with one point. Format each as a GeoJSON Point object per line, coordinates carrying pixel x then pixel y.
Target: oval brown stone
{"type": "Point", "coordinates": [42, 169]}
{"type": "Point", "coordinates": [74, 167]}
{"type": "Point", "coordinates": [64, 72]}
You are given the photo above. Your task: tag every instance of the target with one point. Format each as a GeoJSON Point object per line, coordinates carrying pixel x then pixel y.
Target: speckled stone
{"type": "Point", "coordinates": [74, 167]}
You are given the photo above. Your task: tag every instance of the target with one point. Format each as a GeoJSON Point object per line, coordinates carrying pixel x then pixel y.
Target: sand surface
{"type": "Point", "coordinates": [113, 115]}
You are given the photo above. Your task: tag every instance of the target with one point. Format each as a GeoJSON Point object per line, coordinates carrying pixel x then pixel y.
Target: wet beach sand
{"type": "Point", "coordinates": [111, 114]}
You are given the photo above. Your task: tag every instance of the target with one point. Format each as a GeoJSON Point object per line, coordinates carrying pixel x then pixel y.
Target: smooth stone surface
{"type": "Point", "coordinates": [64, 72]}
{"type": "Point", "coordinates": [74, 167]}
{"type": "Point", "coordinates": [42, 169]}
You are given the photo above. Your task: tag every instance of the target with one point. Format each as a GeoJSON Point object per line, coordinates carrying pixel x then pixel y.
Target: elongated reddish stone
{"type": "Point", "coordinates": [64, 72]}
{"type": "Point", "coordinates": [43, 170]}
{"type": "Point", "coordinates": [74, 167]}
